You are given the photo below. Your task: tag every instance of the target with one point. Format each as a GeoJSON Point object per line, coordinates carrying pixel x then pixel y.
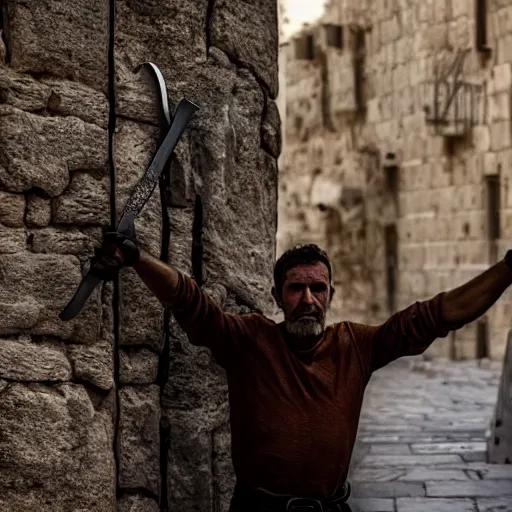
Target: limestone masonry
{"type": "Point", "coordinates": [397, 154]}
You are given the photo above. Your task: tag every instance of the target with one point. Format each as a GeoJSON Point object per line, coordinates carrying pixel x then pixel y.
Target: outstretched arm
{"type": "Point", "coordinates": [160, 278]}
{"type": "Point", "coordinates": [198, 315]}
{"type": "Point", "coordinates": [466, 303]}
{"type": "Point", "coordinates": [412, 330]}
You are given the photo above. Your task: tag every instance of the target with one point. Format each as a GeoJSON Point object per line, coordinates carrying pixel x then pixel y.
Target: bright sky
{"type": "Point", "coordinates": [299, 12]}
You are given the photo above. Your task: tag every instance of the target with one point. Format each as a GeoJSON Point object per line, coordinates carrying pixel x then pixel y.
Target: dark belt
{"type": "Point", "coordinates": [257, 501]}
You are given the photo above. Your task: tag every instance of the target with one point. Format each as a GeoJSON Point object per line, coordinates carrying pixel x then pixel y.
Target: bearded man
{"type": "Point", "coordinates": [296, 387]}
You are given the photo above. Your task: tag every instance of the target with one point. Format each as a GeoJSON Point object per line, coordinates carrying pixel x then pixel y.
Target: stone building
{"type": "Point", "coordinates": [397, 154]}
{"type": "Point", "coordinates": [64, 447]}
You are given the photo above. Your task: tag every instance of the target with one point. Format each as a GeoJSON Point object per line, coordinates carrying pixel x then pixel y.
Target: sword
{"type": "Point", "coordinates": [139, 197]}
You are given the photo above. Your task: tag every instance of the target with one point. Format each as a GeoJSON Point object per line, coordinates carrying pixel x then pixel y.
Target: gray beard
{"type": "Point", "coordinates": [304, 327]}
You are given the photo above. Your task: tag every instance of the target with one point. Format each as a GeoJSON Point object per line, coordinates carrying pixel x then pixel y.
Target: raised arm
{"type": "Point", "coordinates": [412, 330]}
{"type": "Point", "coordinates": [466, 303]}
{"type": "Point", "coordinates": [198, 315]}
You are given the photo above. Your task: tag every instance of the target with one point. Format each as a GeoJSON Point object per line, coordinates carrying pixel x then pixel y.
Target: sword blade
{"type": "Point", "coordinates": [144, 189]}
{"type": "Point", "coordinates": [139, 197]}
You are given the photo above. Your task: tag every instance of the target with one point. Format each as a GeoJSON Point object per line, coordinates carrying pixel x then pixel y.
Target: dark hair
{"type": "Point", "coordinates": [307, 254]}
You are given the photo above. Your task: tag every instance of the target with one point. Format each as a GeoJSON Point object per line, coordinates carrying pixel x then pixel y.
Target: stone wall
{"type": "Point", "coordinates": [398, 154]}
{"type": "Point", "coordinates": [57, 391]}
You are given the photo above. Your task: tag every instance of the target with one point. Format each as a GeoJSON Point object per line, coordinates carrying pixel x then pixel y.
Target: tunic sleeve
{"type": "Point", "coordinates": [205, 323]}
{"type": "Point", "coordinates": [406, 333]}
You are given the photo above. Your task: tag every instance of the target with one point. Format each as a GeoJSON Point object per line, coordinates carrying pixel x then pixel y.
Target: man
{"type": "Point", "coordinates": [296, 387]}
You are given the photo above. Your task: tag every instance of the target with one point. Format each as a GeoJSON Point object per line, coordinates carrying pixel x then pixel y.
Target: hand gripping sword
{"type": "Point", "coordinates": [143, 190]}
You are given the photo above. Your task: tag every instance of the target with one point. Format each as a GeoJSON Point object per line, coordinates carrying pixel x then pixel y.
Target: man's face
{"type": "Point", "coordinates": [305, 298]}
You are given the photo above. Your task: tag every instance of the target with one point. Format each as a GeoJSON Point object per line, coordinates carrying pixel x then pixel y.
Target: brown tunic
{"type": "Point", "coordinates": [294, 415]}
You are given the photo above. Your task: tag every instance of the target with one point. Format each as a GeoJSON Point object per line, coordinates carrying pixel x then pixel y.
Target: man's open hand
{"type": "Point", "coordinates": [116, 251]}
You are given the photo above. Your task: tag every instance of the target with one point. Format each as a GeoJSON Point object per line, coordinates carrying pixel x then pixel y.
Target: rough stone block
{"type": "Point", "coordinates": [190, 476]}
{"type": "Point", "coordinates": [141, 314]}
{"type": "Point", "coordinates": [222, 468]}
{"type": "Point", "coordinates": [76, 51]}
{"type": "Point", "coordinates": [22, 91]}
{"type": "Point", "coordinates": [69, 98]}
{"type": "Point", "coordinates": [39, 211]}
{"type": "Point", "coordinates": [56, 450]}
{"type": "Point", "coordinates": [180, 21]}
{"type": "Point", "coordinates": [138, 366]}
{"type": "Point", "coordinates": [499, 107]}
{"type": "Point", "coordinates": [484, 488]}
{"type": "Point", "coordinates": [500, 135]}
{"type": "Point", "coordinates": [93, 363]}
{"type": "Point", "coordinates": [51, 240]}
{"type": "Point", "coordinates": [407, 460]}
{"type": "Point", "coordinates": [482, 138]}
{"type": "Point", "coordinates": [439, 505]}
{"type": "Point", "coordinates": [387, 489]}
{"type": "Point", "coordinates": [372, 505]}
{"type": "Point", "coordinates": [22, 360]}
{"type": "Point", "coordinates": [502, 81]}
{"type": "Point", "coordinates": [139, 438]}
{"type": "Point", "coordinates": [38, 152]}
{"type": "Point", "coordinates": [494, 504]}
{"type": "Point", "coordinates": [136, 503]}
{"type": "Point", "coordinates": [12, 240]}
{"type": "Point", "coordinates": [85, 202]}
{"type": "Point", "coordinates": [12, 209]}
{"type": "Point", "coordinates": [33, 290]}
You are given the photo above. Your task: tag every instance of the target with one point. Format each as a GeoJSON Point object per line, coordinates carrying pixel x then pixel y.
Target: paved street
{"type": "Point", "coordinates": [421, 442]}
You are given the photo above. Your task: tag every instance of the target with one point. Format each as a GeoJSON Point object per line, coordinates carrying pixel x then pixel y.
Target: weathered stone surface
{"type": "Point", "coordinates": [141, 314]}
{"type": "Point", "coordinates": [197, 384]}
{"type": "Point", "coordinates": [180, 247]}
{"type": "Point", "coordinates": [77, 51]}
{"type": "Point", "coordinates": [139, 438]}
{"type": "Point", "coordinates": [271, 130]}
{"type": "Point", "coordinates": [137, 504]}
{"type": "Point", "coordinates": [372, 505]}
{"type": "Point", "coordinates": [56, 451]}
{"type": "Point", "coordinates": [388, 489]}
{"type": "Point", "coordinates": [249, 37]}
{"type": "Point", "coordinates": [66, 241]}
{"type": "Point", "coordinates": [12, 209]}
{"type": "Point", "coordinates": [138, 366]}
{"type": "Point", "coordinates": [85, 201]}
{"type": "Point", "coordinates": [487, 488]}
{"type": "Point", "coordinates": [22, 91]}
{"type": "Point", "coordinates": [494, 504]}
{"type": "Point", "coordinates": [63, 97]}
{"type": "Point", "coordinates": [37, 151]}
{"type": "Point", "coordinates": [33, 290]}
{"type": "Point", "coordinates": [183, 24]}
{"type": "Point", "coordinates": [189, 476]}
{"type": "Point", "coordinates": [93, 363]}
{"type": "Point", "coordinates": [223, 466]}
{"type": "Point", "coordinates": [23, 360]}
{"type": "Point", "coordinates": [224, 156]}
{"type": "Point", "coordinates": [39, 211]}
{"type": "Point", "coordinates": [439, 505]}
{"type": "Point", "coordinates": [12, 240]}
{"type": "Point", "coordinates": [68, 98]}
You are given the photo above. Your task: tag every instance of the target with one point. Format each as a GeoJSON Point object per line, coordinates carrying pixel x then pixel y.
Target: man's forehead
{"type": "Point", "coordinates": [315, 271]}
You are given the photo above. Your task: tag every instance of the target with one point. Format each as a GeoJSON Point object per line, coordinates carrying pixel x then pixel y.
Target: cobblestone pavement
{"type": "Point", "coordinates": [422, 440]}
